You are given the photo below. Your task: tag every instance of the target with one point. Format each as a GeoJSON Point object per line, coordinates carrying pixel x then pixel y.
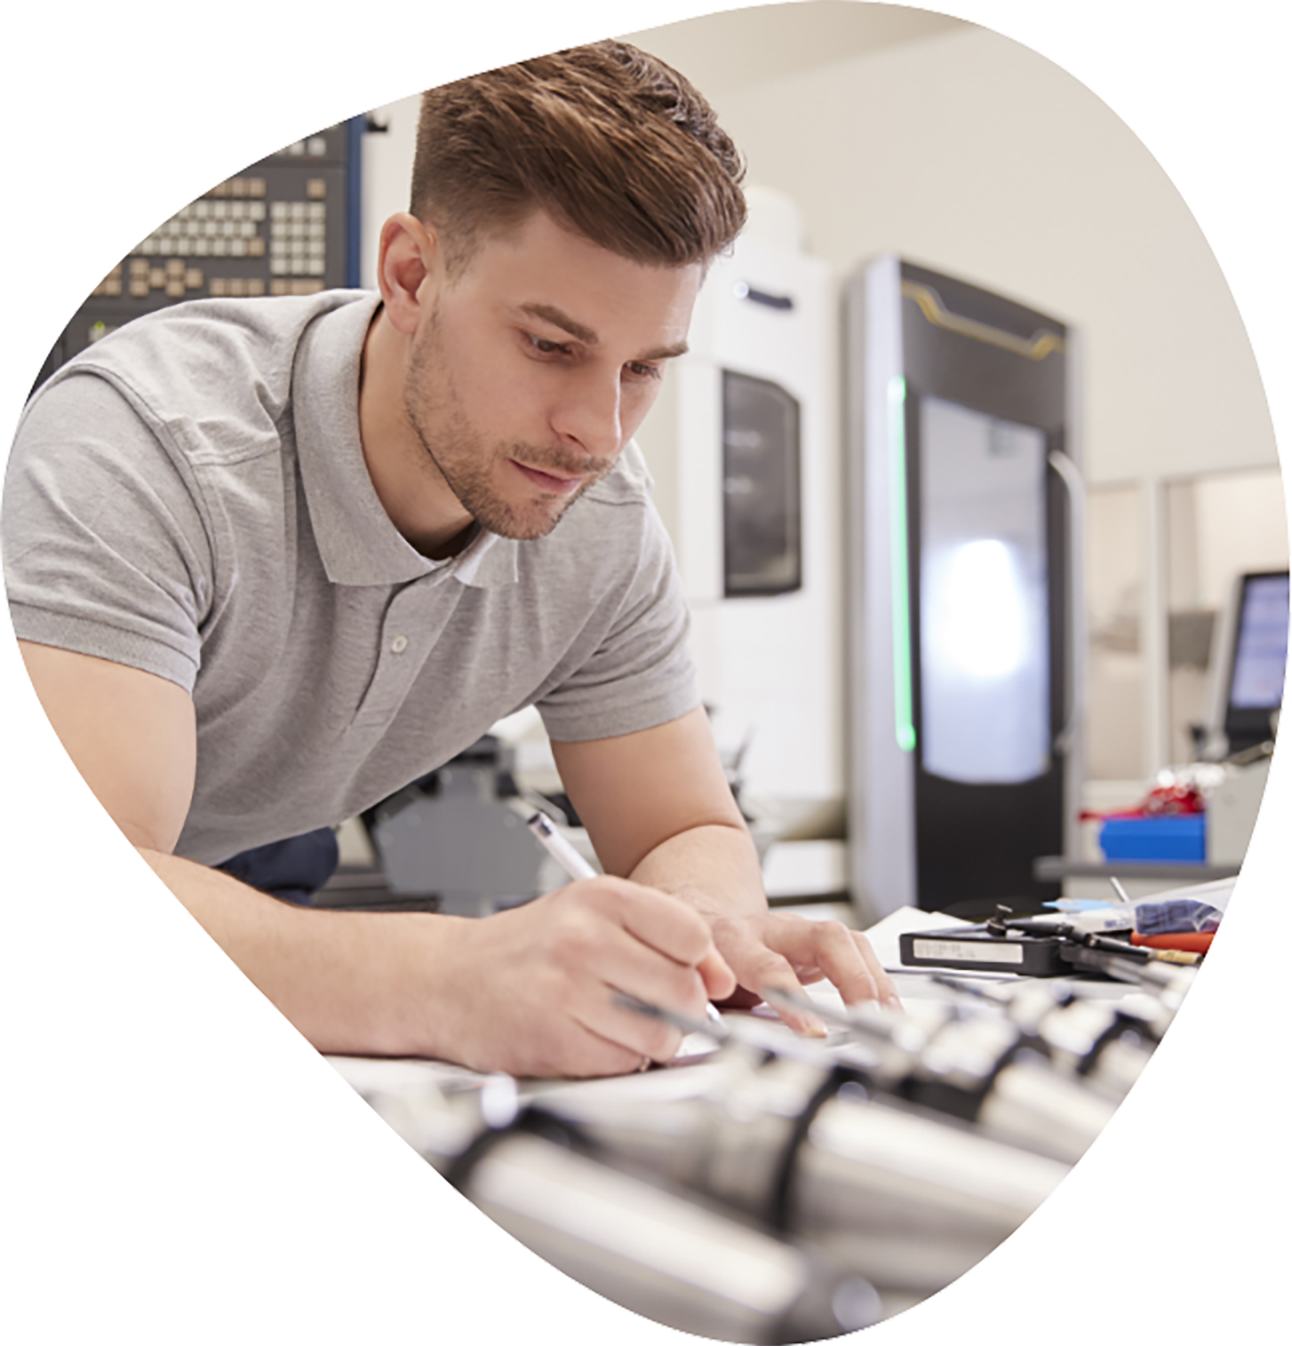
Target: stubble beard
{"type": "Point", "coordinates": [458, 456]}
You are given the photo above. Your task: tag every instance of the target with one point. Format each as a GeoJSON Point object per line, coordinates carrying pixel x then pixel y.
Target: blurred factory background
{"type": "Point", "coordinates": [1165, 499]}
{"type": "Point", "coordinates": [877, 130]}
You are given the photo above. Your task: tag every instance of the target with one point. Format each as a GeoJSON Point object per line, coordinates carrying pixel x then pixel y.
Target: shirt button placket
{"type": "Point", "coordinates": [396, 669]}
{"type": "Point", "coordinates": [412, 624]}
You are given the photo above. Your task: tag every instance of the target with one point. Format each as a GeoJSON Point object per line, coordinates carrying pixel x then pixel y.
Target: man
{"type": "Point", "coordinates": [270, 560]}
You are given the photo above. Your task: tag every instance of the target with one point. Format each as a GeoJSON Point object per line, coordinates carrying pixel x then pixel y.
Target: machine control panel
{"type": "Point", "coordinates": [281, 227]}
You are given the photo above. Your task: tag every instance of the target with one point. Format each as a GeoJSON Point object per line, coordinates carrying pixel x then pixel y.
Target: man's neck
{"type": "Point", "coordinates": [407, 482]}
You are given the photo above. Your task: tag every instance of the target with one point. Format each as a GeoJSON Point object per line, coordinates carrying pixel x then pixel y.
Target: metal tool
{"type": "Point", "coordinates": [631, 1236]}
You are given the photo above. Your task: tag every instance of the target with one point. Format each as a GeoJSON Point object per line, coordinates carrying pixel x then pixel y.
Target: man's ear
{"type": "Point", "coordinates": [409, 266]}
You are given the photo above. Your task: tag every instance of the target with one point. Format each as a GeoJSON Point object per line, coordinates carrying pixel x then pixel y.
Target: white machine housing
{"type": "Point", "coordinates": [770, 665]}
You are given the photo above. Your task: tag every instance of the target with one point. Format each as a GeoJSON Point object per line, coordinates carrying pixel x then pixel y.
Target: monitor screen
{"type": "Point", "coordinates": [1259, 657]}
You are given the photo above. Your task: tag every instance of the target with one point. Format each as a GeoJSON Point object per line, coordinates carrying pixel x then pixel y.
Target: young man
{"type": "Point", "coordinates": [271, 560]}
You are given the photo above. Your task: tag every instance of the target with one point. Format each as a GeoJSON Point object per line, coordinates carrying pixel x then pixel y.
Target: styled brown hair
{"type": "Point", "coordinates": [612, 143]}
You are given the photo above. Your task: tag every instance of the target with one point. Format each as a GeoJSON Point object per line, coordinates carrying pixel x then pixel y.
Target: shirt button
{"type": "Point", "coordinates": [399, 645]}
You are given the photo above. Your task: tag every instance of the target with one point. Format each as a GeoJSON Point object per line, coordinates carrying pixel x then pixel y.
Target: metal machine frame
{"type": "Point", "coordinates": [917, 838]}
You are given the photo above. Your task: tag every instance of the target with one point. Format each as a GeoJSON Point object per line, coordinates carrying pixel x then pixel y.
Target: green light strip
{"type": "Point", "coordinates": [899, 563]}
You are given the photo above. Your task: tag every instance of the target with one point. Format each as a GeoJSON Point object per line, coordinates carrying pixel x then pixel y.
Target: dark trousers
{"type": "Point", "coordinates": [291, 870]}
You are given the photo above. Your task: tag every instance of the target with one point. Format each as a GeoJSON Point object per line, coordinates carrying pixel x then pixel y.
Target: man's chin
{"type": "Point", "coordinates": [523, 527]}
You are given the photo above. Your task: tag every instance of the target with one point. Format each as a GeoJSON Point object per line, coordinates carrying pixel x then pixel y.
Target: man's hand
{"type": "Point", "coordinates": [534, 991]}
{"type": "Point", "coordinates": [658, 808]}
{"type": "Point", "coordinates": [772, 951]}
{"type": "Point", "coordinates": [530, 991]}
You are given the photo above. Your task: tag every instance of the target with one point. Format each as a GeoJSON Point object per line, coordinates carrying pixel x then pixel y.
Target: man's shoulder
{"type": "Point", "coordinates": [204, 357]}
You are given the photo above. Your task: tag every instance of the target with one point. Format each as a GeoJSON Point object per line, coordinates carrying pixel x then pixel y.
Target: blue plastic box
{"type": "Point", "coordinates": [1163, 837]}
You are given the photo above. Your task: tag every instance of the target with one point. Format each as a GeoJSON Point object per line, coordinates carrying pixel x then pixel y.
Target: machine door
{"type": "Point", "coordinates": [988, 637]}
{"type": "Point", "coordinates": [762, 548]}
{"type": "Point", "coordinates": [988, 525]}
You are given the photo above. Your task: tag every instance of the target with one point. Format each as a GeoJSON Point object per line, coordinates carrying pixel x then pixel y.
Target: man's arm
{"type": "Point", "coordinates": [659, 811]}
{"type": "Point", "coordinates": [529, 991]}
{"type": "Point", "coordinates": [131, 735]}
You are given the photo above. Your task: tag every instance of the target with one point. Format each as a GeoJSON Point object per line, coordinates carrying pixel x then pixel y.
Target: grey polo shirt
{"type": "Point", "coordinates": [189, 497]}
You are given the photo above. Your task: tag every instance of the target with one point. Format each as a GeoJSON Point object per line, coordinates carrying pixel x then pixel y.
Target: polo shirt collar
{"type": "Point", "coordinates": [356, 540]}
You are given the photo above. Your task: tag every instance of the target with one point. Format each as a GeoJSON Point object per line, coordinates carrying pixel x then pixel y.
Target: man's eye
{"type": "Point", "coordinates": [642, 371]}
{"type": "Point", "coordinates": [547, 348]}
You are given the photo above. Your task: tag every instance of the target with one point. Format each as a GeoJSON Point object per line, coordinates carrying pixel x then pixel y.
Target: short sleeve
{"type": "Point", "coordinates": [641, 674]}
{"type": "Point", "coordinates": [105, 550]}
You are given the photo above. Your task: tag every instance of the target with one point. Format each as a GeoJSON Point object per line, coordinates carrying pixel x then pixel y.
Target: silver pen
{"type": "Point", "coordinates": [562, 851]}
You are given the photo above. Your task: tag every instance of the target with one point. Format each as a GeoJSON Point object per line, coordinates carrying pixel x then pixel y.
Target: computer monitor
{"type": "Point", "coordinates": [1252, 658]}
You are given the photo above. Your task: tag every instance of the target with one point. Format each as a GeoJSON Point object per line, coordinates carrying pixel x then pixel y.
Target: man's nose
{"type": "Point", "coordinates": [588, 416]}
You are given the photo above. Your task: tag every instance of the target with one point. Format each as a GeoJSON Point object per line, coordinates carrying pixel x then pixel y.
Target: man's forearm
{"type": "Point", "coordinates": [350, 982]}
{"type": "Point", "coordinates": [530, 990]}
{"type": "Point", "coordinates": [714, 868]}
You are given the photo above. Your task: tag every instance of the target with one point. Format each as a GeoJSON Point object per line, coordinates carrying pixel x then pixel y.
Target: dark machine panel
{"type": "Point", "coordinates": [284, 226]}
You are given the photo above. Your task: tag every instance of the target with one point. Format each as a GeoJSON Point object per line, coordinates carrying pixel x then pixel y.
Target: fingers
{"type": "Point", "coordinates": [847, 960]}
{"type": "Point", "coordinates": [719, 980]}
{"type": "Point", "coordinates": [567, 1021]}
{"type": "Point", "coordinates": [601, 1048]}
{"type": "Point", "coordinates": [887, 988]}
{"type": "Point", "coordinates": [630, 1037]}
{"type": "Point", "coordinates": [624, 965]}
{"type": "Point", "coordinates": [662, 931]}
{"type": "Point", "coordinates": [761, 969]}
{"type": "Point", "coordinates": [675, 929]}
{"type": "Point", "coordinates": [784, 951]}
{"type": "Point", "coordinates": [609, 937]}
{"type": "Point", "coordinates": [830, 950]}
{"type": "Point", "coordinates": [664, 923]}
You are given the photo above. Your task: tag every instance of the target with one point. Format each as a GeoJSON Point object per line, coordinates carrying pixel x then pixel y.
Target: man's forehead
{"type": "Point", "coordinates": [541, 236]}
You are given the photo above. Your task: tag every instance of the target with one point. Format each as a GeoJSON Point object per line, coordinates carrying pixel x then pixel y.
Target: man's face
{"type": "Point", "coordinates": [534, 368]}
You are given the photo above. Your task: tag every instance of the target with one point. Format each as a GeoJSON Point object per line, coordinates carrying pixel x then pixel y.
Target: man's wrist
{"type": "Point", "coordinates": [713, 868]}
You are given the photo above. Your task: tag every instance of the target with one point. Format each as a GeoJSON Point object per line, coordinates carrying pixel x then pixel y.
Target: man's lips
{"type": "Point", "coordinates": [559, 486]}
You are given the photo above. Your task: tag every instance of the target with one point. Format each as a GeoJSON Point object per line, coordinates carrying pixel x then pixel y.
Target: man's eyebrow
{"type": "Point", "coordinates": [549, 313]}
{"type": "Point", "coordinates": [666, 352]}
